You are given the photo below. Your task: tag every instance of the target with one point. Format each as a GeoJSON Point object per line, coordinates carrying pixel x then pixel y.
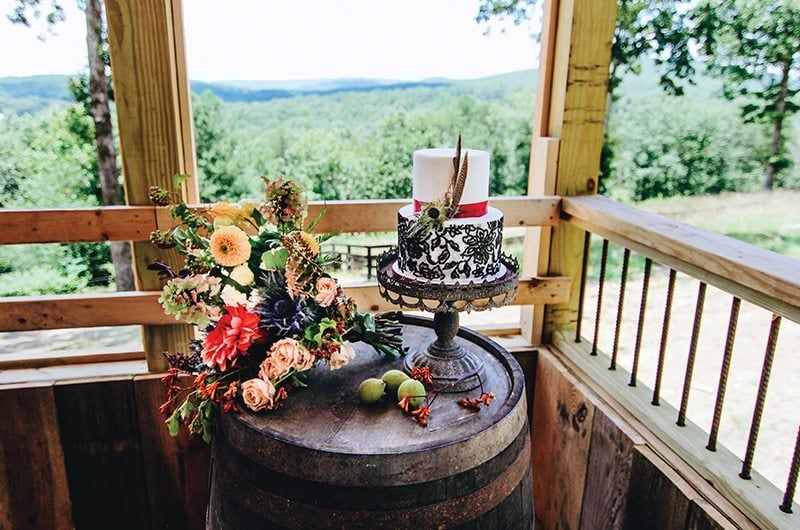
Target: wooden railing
{"type": "Point", "coordinates": [747, 273]}
{"type": "Point", "coordinates": [135, 223]}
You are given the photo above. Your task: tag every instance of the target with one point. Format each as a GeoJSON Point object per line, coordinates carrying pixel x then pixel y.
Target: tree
{"type": "Point", "coordinates": [755, 46]}
{"type": "Point", "coordinates": [645, 28]}
{"type": "Point", "coordinates": [218, 166]}
{"type": "Point", "coordinates": [97, 102]}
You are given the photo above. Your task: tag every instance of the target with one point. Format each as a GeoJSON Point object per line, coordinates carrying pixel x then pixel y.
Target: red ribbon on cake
{"type": "Point", "coordinates": [474, 209]}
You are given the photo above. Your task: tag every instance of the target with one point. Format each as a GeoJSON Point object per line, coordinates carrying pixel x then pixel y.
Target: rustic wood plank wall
{"type": "Point", "coordinates": [593, 470]}
{"type": "Point", "coordinates": [96, 454]}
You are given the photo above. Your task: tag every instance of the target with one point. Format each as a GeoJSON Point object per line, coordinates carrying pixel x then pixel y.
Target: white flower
{"type": "Point", "coordinates": [242, 275]}
{"type": "Point", "coordinates": [342, 356]}
{"type": "Point", "coordinates": [232, 297]}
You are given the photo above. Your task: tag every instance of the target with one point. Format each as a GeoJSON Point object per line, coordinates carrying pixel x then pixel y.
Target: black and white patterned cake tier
{"type": "Point", "coordinates": [462, 251]}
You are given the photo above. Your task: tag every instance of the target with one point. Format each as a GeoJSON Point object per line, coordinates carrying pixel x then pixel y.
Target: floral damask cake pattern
{"type": "Point", "coordinates": [457, 251]}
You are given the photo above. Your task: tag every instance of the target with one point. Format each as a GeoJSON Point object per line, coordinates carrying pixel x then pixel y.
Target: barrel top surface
{"type": "Point", "coordinates": [328, 417]}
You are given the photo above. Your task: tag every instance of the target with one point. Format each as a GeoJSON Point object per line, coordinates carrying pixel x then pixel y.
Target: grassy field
{"type": "Point", "coordinates": [766, 219]}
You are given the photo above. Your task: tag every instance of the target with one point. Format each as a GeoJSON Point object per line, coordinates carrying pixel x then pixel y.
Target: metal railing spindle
{"type": "Point", "coordinates": [648, 265]}
{"type": "Point", "coordinates": [623, 279]}
{"type": "Point", "coordinates": [687, 378]}
{"type": "Point", "coordinates": [662, 349]}
{"type": "Point", "coordinates": [791, 484]}
{"type": "Point", "coordinates": [584, 267]}
{"type": "Point", "coordinates": [758, 412]}
{"type": "Point", "coordinates": [600, 285]}
{"type": "Point", "coordinates": [723, 375]}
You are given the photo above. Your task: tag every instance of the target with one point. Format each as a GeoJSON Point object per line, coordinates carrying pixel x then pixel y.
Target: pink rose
{"type": "Point", "coordinates": [342, 356]}
{"type": "Point", "coordinates": [305, 360]}
{"type": "Point", "coordinates": [258, 394]}
{"type": "Point", "coordinates": [327, 289]}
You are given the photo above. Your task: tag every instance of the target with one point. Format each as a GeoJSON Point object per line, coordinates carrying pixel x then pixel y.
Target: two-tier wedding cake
{"type": "Point", "coordinates": [449, 234]}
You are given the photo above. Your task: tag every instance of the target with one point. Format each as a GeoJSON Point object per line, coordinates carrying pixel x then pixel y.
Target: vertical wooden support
{"type": "Point", "coordinates": [154, 113]}
{"type": "Point", "coordinates": [576, 50]}
{"type": "Point", "coordinates": [541, 173]}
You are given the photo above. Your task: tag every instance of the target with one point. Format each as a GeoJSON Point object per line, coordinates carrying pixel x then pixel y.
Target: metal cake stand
{"type": "Point", "coordinates": [451, 365]}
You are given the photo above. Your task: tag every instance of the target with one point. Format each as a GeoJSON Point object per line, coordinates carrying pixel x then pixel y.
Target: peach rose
{"type": "Point", "coordinates": [258, 394]}
{"type": "Point", "coordinates": [341, 357]}
{"type": "Point", "coordinates": [305, 360]}
{"type": "Point", "coordinates": [270, 369]}
{"type": "Point", "coordinates": [283, 355]}
{"type": "Point", "coordinates": [327, 288]}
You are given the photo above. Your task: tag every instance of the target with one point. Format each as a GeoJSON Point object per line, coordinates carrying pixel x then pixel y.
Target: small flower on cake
{"type": "Point", "coordinates": [254, 284]}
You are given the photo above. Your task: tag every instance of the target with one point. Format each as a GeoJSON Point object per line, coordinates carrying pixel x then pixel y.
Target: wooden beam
{"type": "Point", "coordinates": [536, 246]}
{"type": "Point", "coordinates": [760, 276]}
{"type": "Point", "coordinates": [381, 215]}
{"type": "Point", "coordinates": [579, 90]}
{"type": "Point", "coordinates": [28, 313]}
{"type": "Point", "coordinates": [62, 225]}
{"type": "Point", "coordinates": [135, 223]}
{"type": "Point", "coordinates": [147, 57]}
{"type": "Point", "coordinates": [27, 360]}
{"type": "Point", "coordinates": [547, 49]}
{"type": "Point", "coordinates": [542, 170]}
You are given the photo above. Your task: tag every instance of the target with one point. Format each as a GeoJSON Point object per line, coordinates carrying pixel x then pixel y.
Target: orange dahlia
{"type": "Point", "coordinates": [230, 246]}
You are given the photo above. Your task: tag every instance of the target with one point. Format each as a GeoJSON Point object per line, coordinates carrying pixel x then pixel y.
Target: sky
{"type": "Point", "coordinates": [303, 39]}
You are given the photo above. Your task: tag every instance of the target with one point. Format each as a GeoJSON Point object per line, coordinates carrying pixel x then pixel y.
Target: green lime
{"type": "Point", "coordinates": [393, 380]}
{"type": "Point", "coordinates": [370, 390]}
{"type": "Point", "coordinates": [412, 387]}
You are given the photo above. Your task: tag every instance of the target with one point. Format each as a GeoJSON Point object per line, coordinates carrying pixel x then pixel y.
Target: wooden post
{"type": "Point", "coordinates": [154, 113]}
{"type": "Point", "coordinates": [568, 138]}
{"type": "Point", "coordinates": [541, 173]}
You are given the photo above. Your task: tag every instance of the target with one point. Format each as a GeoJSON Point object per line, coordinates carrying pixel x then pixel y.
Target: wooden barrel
{"type": "Point", "coordinates": [326, 461]}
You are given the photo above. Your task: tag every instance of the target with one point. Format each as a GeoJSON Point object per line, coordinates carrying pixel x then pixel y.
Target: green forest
{"type": "Point", "coordinates": [354, 140]}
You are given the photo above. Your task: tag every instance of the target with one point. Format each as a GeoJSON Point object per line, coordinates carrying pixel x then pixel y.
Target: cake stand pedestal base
{"type": "Point", "coordinates": [453, 369]}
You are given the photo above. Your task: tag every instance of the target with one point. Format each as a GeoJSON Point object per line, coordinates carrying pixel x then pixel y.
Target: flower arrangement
{"type": "Point", "coordinates": [254, 284]}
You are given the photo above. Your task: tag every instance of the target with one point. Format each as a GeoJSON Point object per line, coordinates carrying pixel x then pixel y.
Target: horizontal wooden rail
{"type": "Point", "coordinates": [760, 276]}
{"type": "Point", "coordinates": [30, 313]}
{"type": "Point", "coordinates": [134, 223]}
{"type": "Point", "coordinates": [28, 360]}
{"type": "Point", "coordinates": [109, 223]}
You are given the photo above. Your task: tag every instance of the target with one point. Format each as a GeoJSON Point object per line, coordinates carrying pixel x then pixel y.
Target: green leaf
{"type": "Point", "coordinates": [315, 333]}
{"type": "Point", "coordinates": [174, 424]}
{"type": "Point", "coordinates": [178, 179]}
{"type": "Point", "coordinates": [296, 381]}
{"type": "Point", "coordinates": [186, 409]}
{"type": "Point", "coordinates": [275, 259]}
{"type": "Point", "coordinates": [317, 219]}
{"type": "Point", "coordinates": [325, 237]}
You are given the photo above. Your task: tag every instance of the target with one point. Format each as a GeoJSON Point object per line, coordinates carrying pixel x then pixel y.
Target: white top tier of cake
{"type": "Point", "coordinates": [433, 169]}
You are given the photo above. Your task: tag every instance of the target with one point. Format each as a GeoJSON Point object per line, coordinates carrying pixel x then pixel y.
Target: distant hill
{"type": "Point", "coordinates": [29, 94]}
{"type": "Point", "coordinates": [47, 87]}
